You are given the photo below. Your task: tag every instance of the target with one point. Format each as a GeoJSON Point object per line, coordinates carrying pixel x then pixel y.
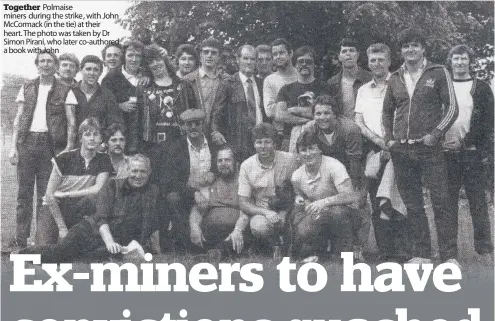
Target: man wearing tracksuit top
{"type": "Point", "coordinates": [419, 108]}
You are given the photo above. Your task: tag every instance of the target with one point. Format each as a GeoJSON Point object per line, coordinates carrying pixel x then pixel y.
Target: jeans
{"type": "Point", "coordinates": [465, 168]}
{"type": "Point", "coordinates": [80, 240]}
{"type": "Point", "coordinates": [34, 167]}
{"type": "Point", "coordinates": [411, 163]}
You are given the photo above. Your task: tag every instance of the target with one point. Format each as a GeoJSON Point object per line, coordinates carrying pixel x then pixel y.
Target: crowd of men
{"type": "Point", "coordinates": [268, 160]}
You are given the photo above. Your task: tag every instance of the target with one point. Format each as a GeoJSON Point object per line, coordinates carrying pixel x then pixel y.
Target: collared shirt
{"type": "Point", "coordinates": [332, 173]}
{"type": "Point", "coordinates": [258, 182]}
{"type": "Point", "coordinates": [369, 103]}
{"type": "Point", "coordinates": [199, 163]}
{"type": "Point", "coordinates": [38, 124]}
{"type": "Point", "coordinates": [131, 78]}
{"type": "Point", "coordinates": [122, 167]}
{"type": "Point", "coordinates": [410, 82]}
{"type": "Point", "coordinates": [244, 78]}
{"type": "Point", "coordinates": [207, 87]}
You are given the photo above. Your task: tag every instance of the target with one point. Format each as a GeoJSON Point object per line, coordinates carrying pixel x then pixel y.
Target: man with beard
{"type": "Point", "coordinates": [243, 107]}
{"type": "Point", "coordinates": [295, 100]}
{"type": "Point", "coordinates": [116, 147]}
{"type": "Point", "coordinates": [67, 69]}
{"type": "Point", "coordinates": [344, 85]}
{"type": "Point", "coordinates": [93, 100]}
{"type": "Point", "coordinates": [216, 220]}
{"type": "Point", "coordinates": [264, 61]}
{"type": "Point", "coordinates": [285, 74]}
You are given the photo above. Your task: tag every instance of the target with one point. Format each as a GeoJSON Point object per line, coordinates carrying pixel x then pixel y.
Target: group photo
{"type": "Point", "coordinates": [253, 131]}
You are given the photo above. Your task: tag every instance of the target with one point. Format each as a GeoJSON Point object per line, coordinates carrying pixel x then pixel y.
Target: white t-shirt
{"type": "Point", "coordinates": [369, 103]}
{"type": "Point", "coordinates": [464, 99]}
{"type": "Point", "coordinates": [39, 116]}
{"type": "Point", "coordinates": [271, 87]}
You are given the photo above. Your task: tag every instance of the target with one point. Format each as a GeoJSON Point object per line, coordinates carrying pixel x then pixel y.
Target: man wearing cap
{"type": "Point", "coordinates": [183, 172]}
{"type": "Point", "coordinates": [244, 105]}
{"type": "Point", "coordinates": [418, 109]}
{"type": "Point", "coordinates": [294, 101]}
{"type": "Point", "coordinates": [345, 84]}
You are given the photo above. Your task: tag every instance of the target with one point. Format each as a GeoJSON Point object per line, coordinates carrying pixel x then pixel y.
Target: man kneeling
{"type": "Point", "coordinates": [322, 188]}
{"type": "Point", "coordinates": [125, 211]}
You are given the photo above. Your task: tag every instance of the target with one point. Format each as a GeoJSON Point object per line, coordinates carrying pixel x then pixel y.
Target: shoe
{"type": "Point", "coordinates": [454, 261]}
{"type": "Point", "coordinates": [419, 260]}
{"type": "Point", "coordinates": [311, 259]}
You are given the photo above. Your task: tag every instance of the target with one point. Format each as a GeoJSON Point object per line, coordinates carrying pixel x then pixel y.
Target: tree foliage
{"type": "Point", "coordinates": [320, 24]}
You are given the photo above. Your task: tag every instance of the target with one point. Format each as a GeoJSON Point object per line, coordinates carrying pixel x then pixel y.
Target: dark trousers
{"type": "Point", "coordinates": [34, 167]}
{"type": "Point", "coordinates": [80, 240]}
{"type": "Point", "coordinates": [411, 163]}
{"type": "Point", "coordinates": [465, 168]}
{"type": "Point", "coordinates": [176, 215]}
{"type": "Point", "coordinates": [392, 237]}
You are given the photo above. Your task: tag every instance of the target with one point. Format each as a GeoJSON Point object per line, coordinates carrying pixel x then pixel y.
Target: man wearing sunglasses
{"type": "Point", "coordinates": [207, 83]}
{"type": "Point", "coordinates": [295, 100]}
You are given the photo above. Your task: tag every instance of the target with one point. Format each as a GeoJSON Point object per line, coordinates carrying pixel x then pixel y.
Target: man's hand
{"type": "Point", "coordinates": [429, 140]}
{"type": "Point", "coordinates": [201, 201]}
{"type": "Point", "coordinates": [197, 237]}
{"type": "Point", "coordinates": [454, 145]}
{"type": "Point", "coordinates": [292, 110]}
{"type": "Point", "coordinates": [114, 247]}
{"type": "Point", "coordinates": [143, 81]}
{"type": "Point", "coordinates": [299, 200]}
{"type": "Point", "coordinates": [272, 217]}
{"type": "Point", "coordinates": [128, 106]}
{"type": "Point", "coordinates": [62, 232]}
{"type": "Point", "coordinates": [380, 142]}
{"type": "Point", "coordinates": [390, 144]}
{"type": "Point", "coordinates": [384, 156]}
{"type": "Point", "coordinates": [315, 208]}
{"type": "Point", "coordinates": [237, 240]}
{"type": "Point", "coordinates": [218, 138]}
{"type": "Point", "coordinates": [208, 179]}
{"type": "Point", "coordinates": [59, 194]}
{"type": "Point", "coordinates": [13, 156]}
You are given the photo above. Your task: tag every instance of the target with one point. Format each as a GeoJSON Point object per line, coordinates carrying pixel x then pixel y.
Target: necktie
{"type": "Point", "coordinates": [251, 101]}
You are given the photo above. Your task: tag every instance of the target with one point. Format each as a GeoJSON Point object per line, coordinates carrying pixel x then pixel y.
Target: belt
{"type": "Point", "coordinates": [410, 141]}
{"type": "Point", "coordinates": [38, 133]}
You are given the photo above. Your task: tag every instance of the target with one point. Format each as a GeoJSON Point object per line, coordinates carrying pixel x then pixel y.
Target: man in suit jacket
{"type": "Point", "coordinates": [183, 172]}
{"type": "Point", "coordinates": [243, 107]}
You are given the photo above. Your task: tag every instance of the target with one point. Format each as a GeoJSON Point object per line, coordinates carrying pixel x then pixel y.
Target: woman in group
{"type": "Point", "coordinates": [165, 98]}
{"type": "Point", "coordinates": [323, 190]}
{"type": "Point", "coordinates": [77, 176]}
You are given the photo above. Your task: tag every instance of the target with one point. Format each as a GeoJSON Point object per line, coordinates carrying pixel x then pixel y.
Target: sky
{"type": "Point", "coordinates": [23, 64]}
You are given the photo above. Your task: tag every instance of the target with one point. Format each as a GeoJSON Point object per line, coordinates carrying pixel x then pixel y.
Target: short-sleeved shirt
{"type": "Point", "coordinates": [369, 103]}
{"type": "Point", "coordinates": [332, 173]}
{"type": "Point", "coordinates": [38, 123]}
{"type": "Point", "coordinates": [71, 166]}
{"type": "Point", "coordinates": [258, 182]}
{"type": "Point", "coordinates": [346, 142]}
{"type": "Point", "coordinates": [199, 163]}
{"type": "Point", "coordinates": [290, 94]}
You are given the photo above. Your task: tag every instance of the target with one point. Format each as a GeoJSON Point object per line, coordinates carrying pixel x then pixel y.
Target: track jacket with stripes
{"type": "Point", "coordinates": [431, 109]}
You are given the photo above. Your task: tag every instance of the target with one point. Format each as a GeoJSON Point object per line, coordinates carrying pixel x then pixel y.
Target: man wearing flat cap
{"type": "Point", "coordinates": [183, 172]}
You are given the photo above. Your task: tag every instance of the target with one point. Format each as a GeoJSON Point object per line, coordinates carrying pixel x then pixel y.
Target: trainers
{"type": "Point", "coordinates": [419, 260]}
{"type": "Point", "coordinates": [311, 259]}
{"type": "Point", "coordinates": [454, 261]}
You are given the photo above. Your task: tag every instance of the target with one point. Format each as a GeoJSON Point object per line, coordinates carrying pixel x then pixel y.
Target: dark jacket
{"type": "Point", "coordinates": [481, 125]}
{"type": "Point", "coordinates": [122, 90]}
{"type": "Point", "coordinates": [101, 105]}
{"type": "Point", "coordinates": [231, 118]}
{"type": "Point", "coordinates": [113, 208]}
{"type": "Point", "coordinates": [194, 79]}
{"type": "Point", "coordinates": [432, 109]}
{"type": "Point", "coordinates": [335, 87]}
{"type": "Point", "coordinates": [56, 118]}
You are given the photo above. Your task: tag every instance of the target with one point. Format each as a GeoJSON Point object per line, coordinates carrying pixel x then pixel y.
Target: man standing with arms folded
{"type": "Point", "coordinates": [467, 142]}
{"type": "Point", "coordinates": [418, 109]}
{"type": "Point", "coordinates": [344, 85]}
{"type": "Point", "coordinates": [43, 127]}
{"type": "Point", "coordinates": [390, 234]}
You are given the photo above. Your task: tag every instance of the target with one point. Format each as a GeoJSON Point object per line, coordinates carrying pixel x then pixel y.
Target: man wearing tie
{"type": "Point", "coordinates": [243, 107]}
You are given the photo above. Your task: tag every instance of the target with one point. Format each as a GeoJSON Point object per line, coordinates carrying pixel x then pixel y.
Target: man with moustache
{"type": "Point", "coordinates": [187, 60]}
{"type": "Point", "coordinates": [126, 210]}
{"type": "Point", "coordinates": [183, 172]}
{"type": "Point", "coordinates": [93, 100]}
{"type": "Point", "coordinates": [216, 222]}
{"type": "Point", "coordinates": [43, 127]}
{"type": "Point", "coordinates": [285, 74]}
{"type": "Point", "coordinates": [243, 107]}
{"type": "Point", "coordinates": [294, 101]}
{"type": "Point", "coordinates": [116, 147]}
{"type": "Point", "coordinates": [418, 109]}
{"type": "Point", "coordinates": [68, 68]}
{"type": "Point", "coordinates": [207, 84]}
{"type": "Point", "coordinates": [344, 85]}
{"type": "Point", "coordinates": [264, 61]}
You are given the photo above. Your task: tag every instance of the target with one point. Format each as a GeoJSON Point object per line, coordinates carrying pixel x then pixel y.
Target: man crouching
{"type": "Point", "coordinates": [125, 211]}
